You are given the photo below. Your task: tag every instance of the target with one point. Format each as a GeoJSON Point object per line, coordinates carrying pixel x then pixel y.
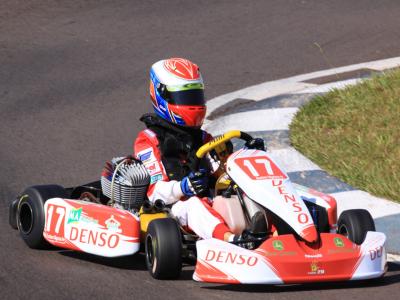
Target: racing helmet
{"type": "Point", "coordinates": [177, 92]}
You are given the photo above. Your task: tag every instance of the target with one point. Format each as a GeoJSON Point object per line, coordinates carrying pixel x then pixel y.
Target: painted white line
{"type": "Point", "coordinates": [378, 207]}
{"type": "Point", "coordinates": [393, 258]}
{"type": "Point", "coordinates": [259, 92]}
{"type": "Point", "coordinates": [324, 88]}
{"type": "Point", "coordinates": [377, 65]}
{"type": "Point", "coordinates": [256, 120]}
{"type": "Point", "coordinates": [294, 83]}
{"type": "Point", "coordinates": [290, 160]}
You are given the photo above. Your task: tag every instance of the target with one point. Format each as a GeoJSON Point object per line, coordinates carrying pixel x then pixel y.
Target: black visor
{"type": "Point", "coordinates": [186, 97]}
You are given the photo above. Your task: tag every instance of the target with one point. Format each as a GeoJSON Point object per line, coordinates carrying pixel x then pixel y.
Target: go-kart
{"type": "Point", "coordinates": [293, 234]}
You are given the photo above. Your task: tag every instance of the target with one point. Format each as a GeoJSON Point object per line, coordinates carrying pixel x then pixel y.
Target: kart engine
{"type": "Point", "coordinates": [125, 181]}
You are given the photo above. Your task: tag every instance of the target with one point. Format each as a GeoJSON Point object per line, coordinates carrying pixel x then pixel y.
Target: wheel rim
{"type": "Point", "coordinates": [25, 218]}
{"type": "Point", "coordinates": [149, 251]}
{"type": "Point", "coordinates": [343, 231]}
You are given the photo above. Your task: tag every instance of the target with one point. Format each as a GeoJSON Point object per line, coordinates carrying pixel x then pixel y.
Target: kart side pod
{"type": "Point", "coordinates": [91, 228]}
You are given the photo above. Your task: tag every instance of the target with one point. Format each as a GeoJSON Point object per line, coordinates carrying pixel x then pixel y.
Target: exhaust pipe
{"type": "Point", "coordinates": [159, 205]}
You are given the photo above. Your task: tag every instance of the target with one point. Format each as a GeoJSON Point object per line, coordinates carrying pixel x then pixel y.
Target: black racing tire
{"type": "Point", "coordinates": [354, 224]}
{"type": "Point", "coordinates": [30, 213]}
{"type": "Point", "coordinates": [163, 248]}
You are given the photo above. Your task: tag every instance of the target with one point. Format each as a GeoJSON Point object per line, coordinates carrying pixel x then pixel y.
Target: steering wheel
{"type": "Point", "coordinates": [218, 141]}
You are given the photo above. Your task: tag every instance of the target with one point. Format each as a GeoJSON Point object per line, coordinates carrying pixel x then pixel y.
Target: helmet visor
{"type": "Point", "coordinates": [193, 95]}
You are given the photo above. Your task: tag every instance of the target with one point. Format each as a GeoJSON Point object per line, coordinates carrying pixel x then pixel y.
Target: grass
{"type": "Point", "coordinates": [354, 134]}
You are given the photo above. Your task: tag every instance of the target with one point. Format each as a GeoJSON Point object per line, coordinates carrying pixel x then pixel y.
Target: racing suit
{"type": "Point", "coordinates": [166, 151]}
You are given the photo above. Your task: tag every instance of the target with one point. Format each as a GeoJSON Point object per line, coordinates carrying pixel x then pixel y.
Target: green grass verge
{"type": "Point", "coordinates": [354, 134]}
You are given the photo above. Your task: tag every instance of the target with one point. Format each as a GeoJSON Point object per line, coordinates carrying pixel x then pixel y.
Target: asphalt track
{"type": "Point", "coordinates": [73, 83]}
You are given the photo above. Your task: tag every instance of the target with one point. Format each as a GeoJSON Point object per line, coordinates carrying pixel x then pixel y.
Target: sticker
{"type": "Point", "coordinates": [89, 220]}
{"type": "Point", "coordinates": [113, 225]}
{"type": "Point", "coordinates": [145, 156]}
{"type": "Point", "coordinates": [278, 245]}
{"type": "Point", "coordinates": [74, 215]}
{"type": "Point", "coordinates": [338, 242]}
{"type": "Point", "coordinates": [316, 269]}
{"type": "Point", "coordinates": [156, 178]}
{"type": "Point", "coordinates": [376, 253]}
{"type": "Point", "coordinates": [153, 168]}
{"type": "Point", "coordinates": [231, 258]}
{"type": "Point", "coordinates": [319, 255]}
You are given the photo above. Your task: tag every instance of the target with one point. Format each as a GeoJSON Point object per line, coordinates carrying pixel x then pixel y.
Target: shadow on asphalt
{"type": "Point", "coordinates": [132, 262]}
{"type": "Point", "coordinates": [391, 277]}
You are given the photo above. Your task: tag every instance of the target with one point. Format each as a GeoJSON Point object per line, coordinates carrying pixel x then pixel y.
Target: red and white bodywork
{"type": "Point", "coordinates": [285, 258]}
{"type": "Point", "coordinates": [91, 228]}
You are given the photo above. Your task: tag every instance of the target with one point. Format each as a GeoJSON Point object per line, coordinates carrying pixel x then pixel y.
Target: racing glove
{"type": "Point", "coordinates": [256, 143]}
{"type": "Point", "coordinates": [196, 183]}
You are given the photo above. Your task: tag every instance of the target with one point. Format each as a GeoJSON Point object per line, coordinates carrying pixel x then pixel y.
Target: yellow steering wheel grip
{"type": "Point", "coordinates": [203, 150]}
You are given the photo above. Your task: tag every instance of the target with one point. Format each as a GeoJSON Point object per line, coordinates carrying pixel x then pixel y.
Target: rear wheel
{"type": "Point", "coordinates": [163, 247]}
{"type": "Point", "coordinates": [30, 213]}
{"type": "Point", "coordinates": [354, 224]}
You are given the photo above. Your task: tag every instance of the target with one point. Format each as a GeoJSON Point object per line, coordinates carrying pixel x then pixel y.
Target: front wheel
{"type": "Point", "coordinates": [163, 247]}
{"type": "Point", "coordinates": [354, 224]}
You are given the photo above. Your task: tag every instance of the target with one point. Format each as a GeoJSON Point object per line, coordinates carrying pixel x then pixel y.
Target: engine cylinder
{"type": "Point", "coordinates": [125, 182]}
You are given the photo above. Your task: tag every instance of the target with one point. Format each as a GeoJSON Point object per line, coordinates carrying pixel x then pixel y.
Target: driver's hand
{"type": "Point", "coordinates": [196, 183]}
{"type": "Point", "coordinates": [255, 143]}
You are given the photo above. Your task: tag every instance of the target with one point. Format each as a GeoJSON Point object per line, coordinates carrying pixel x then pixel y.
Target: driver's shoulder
{"type": "Point", "coordinates": [147, 135]}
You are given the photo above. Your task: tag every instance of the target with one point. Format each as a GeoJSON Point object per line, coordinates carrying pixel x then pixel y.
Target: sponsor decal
{"type": "Point", "coordinates": [145, 156]}
{"type": "Point", "coordinates": [302, 217]}
{"type": "Point", "coordinates": [338, 242]}
{"type": "Point", "coordinates": [54, 238]}
{"type": "Point", "coordinates": [316, 269]}
{"type": "Point", "coordinates": [74, 215]}
{"type": "Point", "coordinates": [376, 253]}
{"type": "Point", "coordinates": [89, 220]}
{"type": "Point", "coordinates": [341, 250]}
{"type": "Point", "coordinates": [278, 245]}
{"type": "Point", "coordinates": [92, 237]}
{"type": "Point", "coordinates": [231, 258]}
{"type": "Point", "coordinates": [319, 255]}
{"type": "Point", "coordinates": [155, 178]}
{"type": "Point", "coordinates": [280, 253]}
{"type": "Point", "coordinates": [77, 215]}
{"type": "Point", "coordinates": [113, 225]}
{"type": "Point", "coordinates": [153, 167]}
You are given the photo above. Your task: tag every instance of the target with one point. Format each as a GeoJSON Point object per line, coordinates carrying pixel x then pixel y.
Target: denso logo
{"type": "Point", "coordinates": [100, 239]}
{"type": "Point", "coordinates": [231, 258]}
{"type": "Point", "coordinates": [376, 253]}
{"type": "Point", "coordinates": [302, 217]}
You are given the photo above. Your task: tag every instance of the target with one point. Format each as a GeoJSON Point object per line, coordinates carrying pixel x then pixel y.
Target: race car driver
{"type": "Point", "coordinates": [168, 145]}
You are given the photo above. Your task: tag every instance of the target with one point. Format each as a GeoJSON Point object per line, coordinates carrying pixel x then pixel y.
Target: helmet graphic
{"type": "Point", "coordinates": [177, 92]}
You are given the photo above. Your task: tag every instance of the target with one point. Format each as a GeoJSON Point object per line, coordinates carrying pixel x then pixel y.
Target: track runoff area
{"type": "Point", "coordinates": [266, 110]}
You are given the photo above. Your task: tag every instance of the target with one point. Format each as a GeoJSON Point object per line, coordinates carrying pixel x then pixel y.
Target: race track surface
{"type": "Point", "coordinates": [74, 81]}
